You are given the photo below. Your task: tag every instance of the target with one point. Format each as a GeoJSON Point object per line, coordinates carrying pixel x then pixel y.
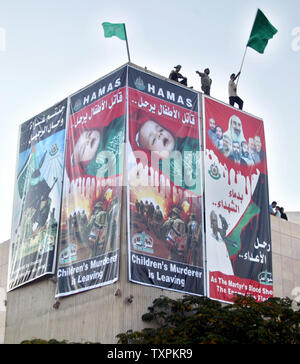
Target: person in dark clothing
{"type": "Point", "coordinates": [206, 81]}
{"type": "Point", "coordinates": [176, 76]}
{"type": "Point", "coordinates": [282, 213]}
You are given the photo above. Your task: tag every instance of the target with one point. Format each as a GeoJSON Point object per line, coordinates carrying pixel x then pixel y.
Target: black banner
{"type": "Point", "coordinates": [98, 90]}
{"type": "Point", "coordinates": [167, 274]}
{"type": "Point", "coordinates": [93, 272]}
{"type": "Point", "coordinates": [43, 125]}
{"type": "Point", "coordinates": [163, 90]}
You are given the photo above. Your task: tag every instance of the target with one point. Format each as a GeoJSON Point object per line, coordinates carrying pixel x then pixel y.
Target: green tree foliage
{"type": "Point", "coordinates": [194, 320]}
{"type": "Point", "coordinates": [51, 342]}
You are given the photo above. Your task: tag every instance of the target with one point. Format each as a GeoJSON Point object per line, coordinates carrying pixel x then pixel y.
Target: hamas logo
{"type": "Point", "coordinates": [77, 105]}
{"type": "Point", "coordinates": [214, 172]}
{"type": "Point", "coordinates": [139, 84]}
{"type": "Point", "coordinates": [265, 278]}
{"type": "Point", "coordinates": [143, 242]}
{"type": "Point", "coordinates": [68, 255]}
{"type": "Point", "coordinates": [53, 150]}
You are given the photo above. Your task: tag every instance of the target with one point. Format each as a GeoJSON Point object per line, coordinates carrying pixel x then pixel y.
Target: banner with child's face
{"type": "Point", "coordinates": [238, 234]}
{"type": "Point", "coordinates": [89, 248]}
{"type": "Point", "coordinates": [165, 190]}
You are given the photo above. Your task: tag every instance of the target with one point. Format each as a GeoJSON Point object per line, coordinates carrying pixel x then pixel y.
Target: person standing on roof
{"type": "Point", "coordinates": [232, 90]}
{"type": "Point", "coordinates": [176, 76]}
{"type": "Point", "coordinates": [205, 81]}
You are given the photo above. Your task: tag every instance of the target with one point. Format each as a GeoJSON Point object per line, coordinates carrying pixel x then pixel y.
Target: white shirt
{"type": "Point", "coordinates": [232, 88]}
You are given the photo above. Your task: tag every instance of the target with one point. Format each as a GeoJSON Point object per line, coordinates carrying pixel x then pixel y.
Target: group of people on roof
{"type": "Point", "coordinates": [206, 82]}
{"type": "Point", "coordinates": [275, 210]}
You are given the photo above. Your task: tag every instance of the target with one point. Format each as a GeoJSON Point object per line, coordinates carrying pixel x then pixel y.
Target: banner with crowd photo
{"type": "Point", "coordinates": [89, 248]}
{"type": "Point", "coordinates": [238, 234]}
{"type": "Point", "coordinates": [37, 196]}
{"type": "Point", "coordinates": [165, 229]}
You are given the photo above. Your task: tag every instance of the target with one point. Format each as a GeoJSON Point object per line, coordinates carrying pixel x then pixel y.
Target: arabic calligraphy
{"type": "Point", "coordinates": [164, 109]}
{"type": "Point", "coordinates": [235, 195]}
{"type": "Point", "coordinates": [233, 205]}
{"type": "Point", "coordinates": [230, 207]}
{"type": "Point", "coordinates": [259, 255]}
{"type": "Point", "coordinates": [98, 108]}
{"type": "Point", "coordinates": [49, 126]}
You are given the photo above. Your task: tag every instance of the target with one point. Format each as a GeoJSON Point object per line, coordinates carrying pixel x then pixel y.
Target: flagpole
{"type": "Point", "coordinates": [245, 54]}
{"type": "Point", "coordinates": [242, 65]}
{"type": "Point", "coordinates": [127, 44]}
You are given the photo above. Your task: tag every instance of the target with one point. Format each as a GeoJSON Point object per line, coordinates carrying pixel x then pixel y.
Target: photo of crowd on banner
{"type": "Point", "coordinates": [234, 145]}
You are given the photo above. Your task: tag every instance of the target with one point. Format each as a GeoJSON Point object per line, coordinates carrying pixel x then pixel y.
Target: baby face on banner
{"type": "Point", "coordinates": [86, 146]}
{"type": "Point", "coordinates": [155, 138]}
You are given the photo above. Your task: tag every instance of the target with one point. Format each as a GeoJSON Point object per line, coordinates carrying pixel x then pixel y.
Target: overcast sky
{"type": "Point", "coordinates": [50, 49]}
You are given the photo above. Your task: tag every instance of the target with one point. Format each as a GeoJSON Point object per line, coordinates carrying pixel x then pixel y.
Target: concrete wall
{"type": "Point", "coordinates": [293, 216]}
{"type": "Point", "coordinates": [286, 257]}
{"type": "Point", "coordinates": [98, 315]}
{"type": "Point", "coordinates": [4, 248]}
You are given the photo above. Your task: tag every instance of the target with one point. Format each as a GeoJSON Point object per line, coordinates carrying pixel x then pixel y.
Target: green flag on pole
{"type": "Point", "coordinates": [262, 32]}
{"type": "Point", "coordinates": [114, 29]}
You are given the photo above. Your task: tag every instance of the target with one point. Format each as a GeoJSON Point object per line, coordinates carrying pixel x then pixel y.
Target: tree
{"type": "Point", "coordinates": [199, 320]}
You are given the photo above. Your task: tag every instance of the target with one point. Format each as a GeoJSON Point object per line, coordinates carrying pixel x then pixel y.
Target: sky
{"type": "Point", "coordinates": [50, 49]}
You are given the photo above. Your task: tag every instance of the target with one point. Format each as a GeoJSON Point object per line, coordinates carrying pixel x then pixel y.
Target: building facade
{"type": "Point", "coordinates": [4, 249]}
{"type": "Point", "coordinates": [100, 314]}
{"type": "Point", "coordinates": [90, 253]}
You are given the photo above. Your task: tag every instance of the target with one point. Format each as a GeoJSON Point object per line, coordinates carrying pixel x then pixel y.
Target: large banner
{"type": "Point", "coordinates": [37, 196]}
{"type": "Point", "coordinates": [165, 230]}
{"type": "Point", "coordinates": [238, 234]}
{"type": "Point", "coordinates": [89, 248]}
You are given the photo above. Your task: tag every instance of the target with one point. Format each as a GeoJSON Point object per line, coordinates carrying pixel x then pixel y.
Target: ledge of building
{"type": "Point", "coordinates": [293, 216]}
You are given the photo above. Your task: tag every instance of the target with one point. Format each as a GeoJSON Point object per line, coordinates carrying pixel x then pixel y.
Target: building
{"type": "Point", "coordinates": [100, 314]}
{"type": "Point", "coordinates": [4, 248]}
{"type": "Point", "coordinates": [69, 305]}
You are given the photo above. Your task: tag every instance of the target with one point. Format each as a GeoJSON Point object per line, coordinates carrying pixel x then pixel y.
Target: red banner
{"type": "Point", "coordinates": [165, 194]}
{"type": "Point", "coordinates": [225, 287]}
{"type": "Point", "coordinates": [91, 209]}
{"type": "Point", "coordinates": [238, 234]}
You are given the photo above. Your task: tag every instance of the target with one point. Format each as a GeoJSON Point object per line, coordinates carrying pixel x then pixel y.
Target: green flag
{"type": "Point", "coordinates": [114, 29]}
{"type": "Point", "coordinates": [261, 32]}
